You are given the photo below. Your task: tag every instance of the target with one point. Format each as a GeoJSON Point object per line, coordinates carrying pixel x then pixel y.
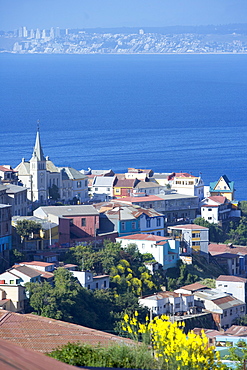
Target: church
{"type": "Point", "coordinates": [47, 183]}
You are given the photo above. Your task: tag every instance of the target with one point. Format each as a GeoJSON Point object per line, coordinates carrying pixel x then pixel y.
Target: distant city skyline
{"type": "Point", "coordinates": [119, 13]}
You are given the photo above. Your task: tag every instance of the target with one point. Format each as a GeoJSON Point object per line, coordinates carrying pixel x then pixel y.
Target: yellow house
{"type": "Point", "coordinates": [223, 187]}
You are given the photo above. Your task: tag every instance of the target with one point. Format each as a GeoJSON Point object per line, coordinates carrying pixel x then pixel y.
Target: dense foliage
{"type": "Point", "coordinates": [26, 228]}
{"type": "Point", "coordinates": [164, 346]}
{"type": "Point", "coordinates": [117, 356]}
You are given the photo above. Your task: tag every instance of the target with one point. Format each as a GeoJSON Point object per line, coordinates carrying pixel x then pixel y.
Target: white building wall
{"type": "Point", "coordinates": [146, 246]}
{"type": "Point", "coordinates": [210, 214]}
{"type": "Point", "coordinates": [236, 289]}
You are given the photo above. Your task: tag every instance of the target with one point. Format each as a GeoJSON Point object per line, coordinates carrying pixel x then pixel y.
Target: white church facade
{"type": "Point", "coordinates": [45, 181]}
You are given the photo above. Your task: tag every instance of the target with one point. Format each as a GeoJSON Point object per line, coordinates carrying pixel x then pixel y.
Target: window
{"type": "Point", "coordinates": [143, 245]}
{"type": "Point", "coordinates": [159, 233]}
{"type": "Point", "coordinates": [78, 184]}
{"type": "Point", "coordinates": [210, 209]}
{"type": "Point", "coordinates": [148, 223]}
{"type": "Point", "coordinates": [158, 221]}
{"type": "Point", "coordinates": [225, 313]}
{"type": "Point", "coordinates": [133, 225]}
{"type": "Point", "coordinates": [83, 222]}
{"type": "Point", "coordinates": [96, 189]}
{"type": "Point", "coordinates": [230, 311]}
{"type": "Point", "coordinates": [177, 305]}
{"type": "Point", "coordinates": [11, 281]}
{"type": "Point", "coordinates": [123, 226]}
{"type": "Point", "coordinates": [108, 189]}
{"type": "Point", "coordinates": [104, 283]}
{"type": "Point", "coordinates": [97, 285]}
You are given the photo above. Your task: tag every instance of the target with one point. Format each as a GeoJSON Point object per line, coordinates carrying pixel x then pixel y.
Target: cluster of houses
{"type": "Point", "coordinates": [224, 304]}
{"type": "Point", "coordinates": [155, 211]}
{"type": "Point", "coordinates": [13, 294]}
{"type": "Point", "coordinates": [100, 204]}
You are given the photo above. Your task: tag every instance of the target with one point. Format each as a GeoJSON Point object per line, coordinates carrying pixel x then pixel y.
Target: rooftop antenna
{"type": "Point", "coordinates": [38, 121]}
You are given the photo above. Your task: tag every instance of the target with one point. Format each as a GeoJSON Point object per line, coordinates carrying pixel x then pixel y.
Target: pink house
{"type": "Point", "coordinates": [76, 223]}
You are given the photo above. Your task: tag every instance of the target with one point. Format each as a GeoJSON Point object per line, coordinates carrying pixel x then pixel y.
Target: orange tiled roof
{"type": "Point", "coordinates": [43, 334]}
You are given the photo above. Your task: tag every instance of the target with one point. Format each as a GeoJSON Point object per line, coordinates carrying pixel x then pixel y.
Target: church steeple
{"type": "Point", "coordinates": [38, 151]}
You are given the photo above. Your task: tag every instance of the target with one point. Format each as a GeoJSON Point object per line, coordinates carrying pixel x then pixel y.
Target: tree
{"type": "Point", "coordinates": [27, 229]}
{"type": "Point", "coordinates": [243, 207]}
{"type": "Point", "coordinates": [238, 234]}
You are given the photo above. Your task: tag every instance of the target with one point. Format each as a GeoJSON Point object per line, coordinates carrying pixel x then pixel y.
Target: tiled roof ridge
{"type": "Point", "coordinates": [5, 317]}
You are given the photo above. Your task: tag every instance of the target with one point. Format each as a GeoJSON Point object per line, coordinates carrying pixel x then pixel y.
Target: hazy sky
{"type": "Point", "coordinates": [118, 13]}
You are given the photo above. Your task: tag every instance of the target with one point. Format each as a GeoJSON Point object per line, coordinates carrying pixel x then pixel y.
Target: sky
{"type": "Point", "coordinates": [119, 13]}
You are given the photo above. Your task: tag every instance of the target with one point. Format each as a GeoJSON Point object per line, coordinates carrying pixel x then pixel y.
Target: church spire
{"type": "Point", "coordinates": [37, 151]}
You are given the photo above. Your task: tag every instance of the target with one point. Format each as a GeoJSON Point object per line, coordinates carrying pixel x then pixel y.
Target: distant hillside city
{"type": "Point", "coordinates": [147, 40]}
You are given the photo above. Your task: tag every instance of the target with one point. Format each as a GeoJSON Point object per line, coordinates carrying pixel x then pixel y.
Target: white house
{"type": "Point", "coordinates": [102, 188]}
{"type": "Point", "coordinates": [215, 209]}
{"type": "Point", "coordinates": [234, 285]}
{"type": "Point", "coordinates": [38, 265]}
{"type": "Point", "coordinates": [185, 183]}
{"type": "Point", "coordinates": [164, 250]}
{"type": "Point", "coordinates": [224, 307]}
{"type": "Point", "coordinates": [168, 303]}
{"type": "Point", "coordinates": [90, 281]}
{"type": "Point", "coordinates": [148, 188]}
{"type": "Point", "coordinates": [195, 238]}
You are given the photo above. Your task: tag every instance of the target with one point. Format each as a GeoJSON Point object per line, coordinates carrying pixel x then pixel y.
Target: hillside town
{"type": "Point", "coordinates": [50, 214]}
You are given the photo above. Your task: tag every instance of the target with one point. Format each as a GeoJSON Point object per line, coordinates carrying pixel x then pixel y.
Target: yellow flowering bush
{"type": "Point", "coordinates": [172, 348]}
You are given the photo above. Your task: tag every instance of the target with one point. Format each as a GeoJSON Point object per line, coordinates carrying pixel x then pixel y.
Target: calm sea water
{"type": "Point", "coordinates": [165, 112]}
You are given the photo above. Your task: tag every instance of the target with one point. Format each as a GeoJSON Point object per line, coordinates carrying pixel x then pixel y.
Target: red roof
{"type": "Point", "coordinates": [194, 287]}
{"type": "Point", "coordinates": [189, 227]}
{"type": "Point", "coordinates": [125, 183]}
{"type": "Point", "coordinates": [6, 169]}
{"type": "Point", "coordinates": [231, 278]}
{"type": "Point", "coordinates": [148, 198]}
{"type": "Point", "coordinates": [183, 174]}
{"type": "Point", "coordinates": [43, 334]}
{"type": "Point", "coordinates": [218, 198]}
{"type": "Point", "coordinates": [215, 249]}
{"type": "Point", "coordinates": [37, 263]}
{"type": "Point", "coordinates": [150, 237]}
{"type": "Point", "coordinates": [13, 357]}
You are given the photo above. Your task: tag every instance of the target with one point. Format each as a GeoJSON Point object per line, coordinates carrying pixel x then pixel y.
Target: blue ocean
{"type": "Point", "coordinates": [164, 112]}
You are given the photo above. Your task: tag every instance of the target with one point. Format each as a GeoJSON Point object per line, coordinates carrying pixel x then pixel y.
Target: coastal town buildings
{"type": "Point", "coordinates": [75, 223]}
{"type": "Point", "coordinates": [216, 209]}
{"type": "Point", "coordinates": [224, 307]}
{"type": "Point", "coordinates": [165, 250]}
{"type": "Point", "coordinates": [232, 257]}
{"type": "Point", "coordinates": [223, 187]}
{"type": "Point", "coordinates": [47, 183]}
{"type": "Point", "coordinates": [185, 183]}
{"type": "Point", "coordinates": [234, 285]}
{"type": "Point", "coordinates": [168, 303]}
{"type": "Point", "coordinates": [194, 238]}
{"type": "Point", "coordinates": [127, 219]}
